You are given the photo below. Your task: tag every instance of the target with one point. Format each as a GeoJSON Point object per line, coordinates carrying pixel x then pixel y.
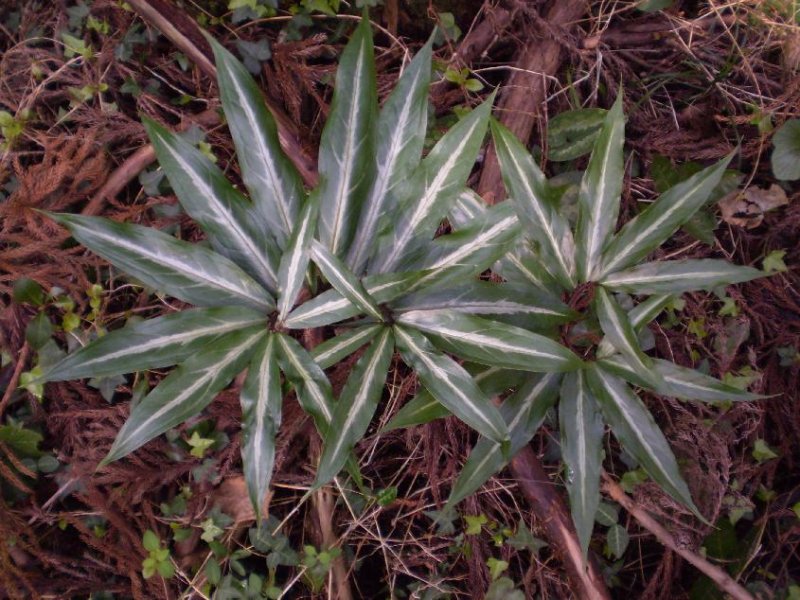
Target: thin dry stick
{"type": "Point", "coordinates": [720, 578]}
{"type": "Point", "coordinates": [12, 384]}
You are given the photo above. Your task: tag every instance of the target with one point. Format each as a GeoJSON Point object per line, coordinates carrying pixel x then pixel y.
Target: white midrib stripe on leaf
{"type": "Point", "coordinates": [615, 322]}
{"type": "Point", "coordinates": [479, 242]}
{"type": "Point", "coordinates": [222, 213]}
{"type": "Point", "coordinates": [366, 334]}
{"type": "Point", "coordinates": [347, 166]}
{"type": "Point", "coordinates": [366, 303]}
{"type": "Point", "coordinates": [177, 266]}
{"type": "Point", "coordinates": [374, 202]}
{"type": "Point", "coordinates": [635, 429]}
{"type": "Point", "coordinates": [340, 303]}
{"type": "Point", "coordinates": [443, 375]}
{"type": "Point", "coordinates": [621, 278]}
{"type": "Point", "coordinates": [294, 265]}
{"type": "Point", "coordinates": [423, 206]}
{"type": "Point", "coordinates": [186, 336]}
{"type": "Point", "coordinates": [581, 441]}
{"type": "Point", "coordinates": [312, 385]}
{"type": "Point", "coordinates": [363, 393]}
{"type": "Point", "coordinates": [645, 233]}
{"type": "Point", "coordinates": [475, 339]}
{"type": "Point", "coordinates": [263, 152]}
{"type": "Point", "coordinates": [202, 379]}
{"type": "Point", "coordinates": [261, 406]}
{"type": "Point", "coordinates": [530, 275]}
{"type": "Point", "coordinates": [544, 221]}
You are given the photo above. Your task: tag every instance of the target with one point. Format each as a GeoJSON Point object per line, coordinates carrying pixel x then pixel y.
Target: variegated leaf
{"type": "Point", "coordinates": [678, 276]}
{"type": "Point", "coordinates": [152, 344]}
{"type": "Point", "coordinates": [356, 405]}
{"type": "Point", "coordinates": [185, 271]}
{"type": "Point", "coordinates": [234, 228]}
{"type": "Point", "coordinates": [524, 411]}
{"type": "Point", "coordinates": [294, 262]}
{"type": "Point", "coordinates": [599, 195]}
{"type": "Point", "coordinates": [347, 146]}
{"type": "Point", "coordinates": [468, 206]}
{"type": "Point", "coordinates": [434, 187]}
{"type": "Point", "coordinates": [270, 177]}
{"type": "Point", "coordinates": [331, 351]}
{"type": "Point", "coordinates": [528, 188]}
{"type": "Point", "coordinates": [401, 133]}
{"type": "Point", "coordinates": [344, 281]}
{"type": "Point", "coordinates": [641, 314]}
{"type": "Point", "coordinates": [185, 392]}
{"type": "Point", "coordinates": [261, 401]}
{"type": "Point", "coordinates": [451, 385]}
{"type": "Point", "coordinates": [653, 226]}
{"type": "Point", "coordinates": [492, 343]}
{"type": "Point", "coordinates": [635, 428]}
{"type": "Point", "coordinates": [582, 430]}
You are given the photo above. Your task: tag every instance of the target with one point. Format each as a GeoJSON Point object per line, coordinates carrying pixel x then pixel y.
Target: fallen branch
{"type": "Point", "coordinates": [720, 578]}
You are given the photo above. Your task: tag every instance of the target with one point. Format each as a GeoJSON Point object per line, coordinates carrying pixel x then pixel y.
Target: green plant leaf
{"type": "Point", "coordinates": [185, 392]}
{"type": "Point", "coordinates": [786, 155]}
{"type": "Point", "coordinates": [344, 281]}
{"type": "Point", "coordinates": [356, 405]}
{"type": "Point", "coordinates": [331, 307]}
{"type": "Point", "coordinates": [599, 195]}
{"type": "Point", "coordinates": [294, 262]}
{"type": "Point", "coordinates": [529, 190]}
{"type": "Point", "coordinates": [653, 226]}
{"type": "Point", "coordinates": [313, 389]}
{"type": "Point", "coordinates": [451, 385]}
{"type": "Point", "coordinates": [635, 428]}
{"type": "Point", "coordinates": [641, 314]}
{"type": "Point", "coordinates": [401, 135]}
{"type": "Point", "coordinates": [185, 271]}
{"type": "Point", "coordinates": [492, 343]}
{"type": "Point", "coordinates": [524, 412]}
{"type": "Point", "coordinates": [261, 401]}
{"type": "Point", "coordinates": [347, 146]}
{"type": "Point", "coordinates": [572, 133]}
{"type": "Point", "coordinates": [233, 226]}
{"type": "Point", "coordinates": [331, 351]}
{"type": "Point", "coordinates": [152, 344]}
{"type": "Point", "coordinates": [617, 539]}
{"type": "Point", "coordinates": [678, 276]}
{"type": "Point", "coordinates": [680, 382]}
{"type": "Point", "coordinates": [434, 187]}
{"type": "Point", "coordinates": [270, 177]}
{"type": "Point", "coordinates": [620, 332]}
{"type": "Point", "coordinates": [582, 431]}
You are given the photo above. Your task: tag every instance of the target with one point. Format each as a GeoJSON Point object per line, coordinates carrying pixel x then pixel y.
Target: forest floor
{"type": "Point", "coordinates": [700, 80]}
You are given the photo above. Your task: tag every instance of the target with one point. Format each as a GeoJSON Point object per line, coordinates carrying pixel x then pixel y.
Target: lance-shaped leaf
{"type": "Point", "coordinates": [523, 265]}
{"type": "Point", "coordinates": [582, 429]}
{"type": "Point", "coordinates": [435, 186]}
{"type": "Point", "coordinates": [451, 385]}
{"type": "Point", "coordinates": [424, 408]}
{"type": "Point", "coordinates": [261, 401]}
{"type": "Point", "coordinates": [679, 382]}
{"type": "Point", "coordinates": [233, 226]}
{"type": "Point", "coordinates": [467, 252]}
{"type": "Point", "coordinates": [270, 177]}
{"type": "Point", "coordinates": [468, 206]}
{"type": "Point", "coordinates": [492, 343]}
{"type": "Point", "coordinates": [635, 428]}
{"type": "Point", "coordinates": [344, 281]}
{"type": "Point", "coordinates": [599, 195]}
{"type": "Point", "coordinates": [401, 135]}
{"type": "Point", "coordinates": [347, 146]}
{"type": "Point", "coordinates": [528, 188]}
{"type": "Point", "coordinates": [294, 261]}
{"type": "Point", "coordinates": [524, 411]}
{"type": "Point", "coordinates": [356, 405]}
{"type": "Point", "coordinates": [639, 317]}
{"type": "Point", "coordinates": [678, 276]}
{"type": "Point", "coordinates": [185, 271]}
{"type": "Point", "coordinates": [185, 392]}
{"type": "Point", "coordinates": [654, 225]}
{"type": "Point", "coordinates": [620, 332]}
{"type": "Point", "coordinates": [313, 389]}
{"type": "Point", "coordinates": [331, 351]}
{"type": "Point", "coordinates": [484, 298]}
{"type": "Point", "coordinates": [332, 307]}
{"type": "Point", "coordinates": [152, 344]}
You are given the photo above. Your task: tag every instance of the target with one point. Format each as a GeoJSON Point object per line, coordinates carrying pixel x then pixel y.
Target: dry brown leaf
{"type": "Point", "coordinates": [232, 498]}
{"type": "Point", "coordinates": [746, 208]}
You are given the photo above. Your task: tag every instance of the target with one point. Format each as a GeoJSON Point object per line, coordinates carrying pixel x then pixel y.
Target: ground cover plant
{"type": "Point", "coordinates": [327, 322]}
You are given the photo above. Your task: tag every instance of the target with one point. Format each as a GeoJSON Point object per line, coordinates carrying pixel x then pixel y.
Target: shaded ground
{"type": "Point", "coordinates": [700, 79]}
